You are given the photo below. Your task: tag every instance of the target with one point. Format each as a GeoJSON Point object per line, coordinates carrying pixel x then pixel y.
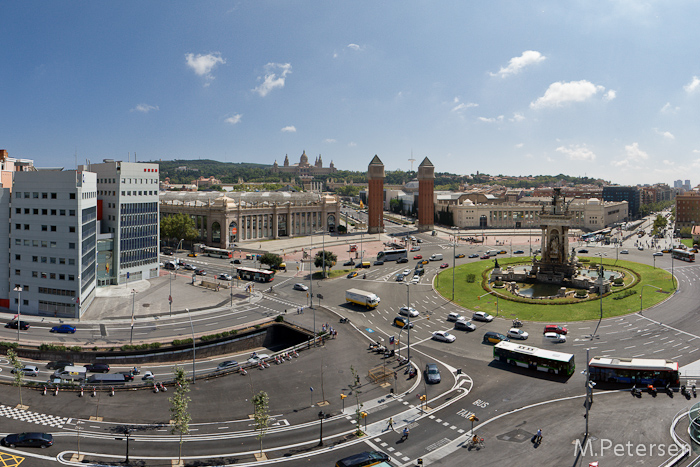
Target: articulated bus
{"type": "Point", "coordinates": [634, 371]}
{"type": "Point", "coordinates": [392, 255]}
{"type": "Point", "coordinates": [217, 252]}
{"type": "Point", "coordinates": [258, 275]}
{"type": "Point", "coordinates": [683, 255]}
{"type": "Point", "coordinates": [559, 363]}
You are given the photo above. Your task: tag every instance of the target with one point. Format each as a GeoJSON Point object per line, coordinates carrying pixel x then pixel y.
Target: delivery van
{"type": "Point", "coordinates": [436, 257]}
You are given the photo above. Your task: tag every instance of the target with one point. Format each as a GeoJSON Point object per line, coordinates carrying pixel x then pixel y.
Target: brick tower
{"type": "Point", "coordinates": [426, 203]}
{"type": "Point", "coordinates": [375, 198]}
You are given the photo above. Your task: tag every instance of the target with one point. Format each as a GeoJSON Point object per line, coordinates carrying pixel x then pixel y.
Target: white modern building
{"type": "Point", "coordinates": [128, 201]}
{"type": "Point", "coordinates": [53, 229]}
{"type": "Point", "coordinates": [4, 246]}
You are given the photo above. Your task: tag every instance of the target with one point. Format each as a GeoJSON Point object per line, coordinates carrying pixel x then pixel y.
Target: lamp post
{"type": "Point", "coordinates": [194, 349]}
{"type": "Point", "coordinates": [19, 289]}
{"type": "Point", "coordinates": [408, 317]}
{"type": "Point", "coordinates": [170, 296]}
{"type": "Point", "coordinates": [641, 294]}
{"type": "Point", "coordinates": [321, 416]}
{"type": "Point", "coordinates": [454, 265]}
{"type": "Point", "coordinates": [133, 304]}
{"type": "Point", "coordinates": [600, 293]}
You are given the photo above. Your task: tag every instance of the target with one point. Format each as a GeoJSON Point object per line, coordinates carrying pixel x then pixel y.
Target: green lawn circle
{"type": "Point", "coordinates": [653, 285]}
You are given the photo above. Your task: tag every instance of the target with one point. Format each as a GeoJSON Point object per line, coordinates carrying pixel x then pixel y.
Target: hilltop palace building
{"type": "Point", "coordinates": [223, 219]}
{"type": "Point", "coordinates": [303, 169]}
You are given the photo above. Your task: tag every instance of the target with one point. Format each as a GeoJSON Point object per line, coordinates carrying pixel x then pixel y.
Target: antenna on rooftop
{"type": "Point", "coordinates": [411, 160]}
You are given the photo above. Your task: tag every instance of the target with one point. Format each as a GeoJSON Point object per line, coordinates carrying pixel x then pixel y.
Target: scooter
{"type": "Point", "coordinates": [517, 323]}
{"type": "Point", "coordinates": [344, 320]}
{"type": "Point", "coordinates": [694, 393]}
{"type": "Point", "coordinates": [669, 391]}
{"type": "Point", "coordinates": [636, 392]}
{"type": "Point", "coordinates": [651, 390]}
{"type": "Point", "coordinates": [364, 276]}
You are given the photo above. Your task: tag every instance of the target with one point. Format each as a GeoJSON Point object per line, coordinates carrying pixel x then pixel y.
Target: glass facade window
{"type": "Point", "coordinates": [138, 239]}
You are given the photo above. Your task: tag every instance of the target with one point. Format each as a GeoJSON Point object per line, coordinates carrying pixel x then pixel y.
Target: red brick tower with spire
{"type": "Point", "coordinates": [426, 201]}
{"type": "Point", "coordinates": [375, 196]}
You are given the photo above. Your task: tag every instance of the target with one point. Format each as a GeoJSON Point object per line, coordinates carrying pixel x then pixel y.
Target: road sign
{"type": "Point", "coordinates": [318, 295]}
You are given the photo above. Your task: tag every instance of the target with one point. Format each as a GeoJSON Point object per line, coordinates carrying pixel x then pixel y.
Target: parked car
{"type": "Point", "coordinates": [224, 277]}
{"type": "Point", "coordinates": [493, 337]}
{"type": "Point", "coordinates": [23, 325]}
{"type": "Point", "coordinates": [28, 440]}
{"type": "Point", "coordinates": [461, 255]}
{"type": "Point", "coordinates": [657, 253]}
{"type": "Point", "coordinates": [97, 367]}
{"type": "Point", "coordinates": [300, 286]}
{"type": "Point", "coordinates": [402, 260]}
{"type": "Point", "coordinates": [554, 337]}
{"type": "Point", "coordinates": [465, 325]}
{"type": "Point", "coordinates": [349, 263]}
{"type": "Point", "coordinates": [418, 257]}
{"type": "Point", "coordinates": [474, 255]}
{"type": "Point", "coordinates": [555, 328]}
{"type": "Point", "coordinates": [583, 250]}
{"type": "Point", "coordinates": [482, 316]}
{"type": "Point", "coordinates": [454, 316]}
{"type": "Point", "coordinates": [408, 311]}
{"type": "Point", "coordinates": [432, 373]}
{"type": "Point", "coordinates": [402, 322]}
{"type": "Point", "coordinates": [624, 252]}
{"type": "Point", "coordinates": [352, 274]}
{"type": "Point", "coordinates": [443, 336]}
{"type": "Point", "coordinates": [200, 272]}
{"type": "Point", "coordinates": [518, 252]}
{"type": "Point", "coordinates": [28, 370]}
{"type": "Point", "coordinates": [399, 278]}
{"type": "Point", "coordinates": [227, 365]}
{"type": "Point", "coordinates": [378, 263]}
{"type": "Point", "coordinates": [515, 333]}
{"type": "Point", "coordinates": [64, 329]}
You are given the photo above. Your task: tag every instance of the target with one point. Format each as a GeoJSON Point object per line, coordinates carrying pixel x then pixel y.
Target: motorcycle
{"type": "Point", "coordinates": [694, 393]}
{"type": "Point", "coordinates": [651, 390]}
{"type": "Point", "coordinates": [517, 323]}
{"type": "Point", "coordinates": [344, 320]}
{"type": "Point", "coordinates": [636, 392]}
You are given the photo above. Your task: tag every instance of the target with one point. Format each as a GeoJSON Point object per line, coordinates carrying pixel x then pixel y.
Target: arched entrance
{"type": "Point", "coordinates": [232, 233]}
{"type": "Point", "coordinates": [216, 233]}
{"type": "Point", "coordinates": [330, 223]}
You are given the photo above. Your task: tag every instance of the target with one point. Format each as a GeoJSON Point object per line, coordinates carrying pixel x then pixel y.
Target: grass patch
{"type": "Point", "coordinates": [332, 273]}
{"type": "Point", "coordinates": [561, 310]}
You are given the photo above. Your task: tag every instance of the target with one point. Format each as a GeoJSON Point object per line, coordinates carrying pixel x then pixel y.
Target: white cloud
{"type": "Point", "coordinates": [144, 108]}
{"type": "Point", "coordinates": [202, 65]}
{"type": "Point", "coordinates": [459, 106]}
{"type": "Point", "coordinates": [695, 164]}
{"type": "Point", "coordinates": [352, 144]}
{"type": "Point", "coordinates": [275, 76]}
{"type": "Point", "coordinates": [519, 145]}
{"type": "Point", "coordinates": [666, 134]}
{"type": "Point", "coordinates": [610, 95]}
{"type": "Point", "coordinates": [577, 152]}
{"type": "Point", "coordinates": [491, 120]}
{"type": "Point", "coordinates": [633, 155]}
{"type": "Point", "coordinates": [234, 119]}
{"type": "Point", "coordinates": [668, 162]}
{"type": "Point", "coordinates": [517, 117]}
{"type": "Point", "coordinates": [329, 141]}
{"type": "Point", "coordinates": [354, 47]}
{"type": "Point", "coordinates": [669, 109]}
{"type": "Point", "coordinates": [560, 93]}
{"type": "Point", "coordinates": [289, 129]}
{"type": "Point", "coordinates": [516, 64]}
{"type": "Point", "coordinates": [693, 85]}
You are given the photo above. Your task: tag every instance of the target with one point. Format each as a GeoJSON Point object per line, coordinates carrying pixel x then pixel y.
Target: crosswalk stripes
{"type": "Point", "coordinates": [32, 417]}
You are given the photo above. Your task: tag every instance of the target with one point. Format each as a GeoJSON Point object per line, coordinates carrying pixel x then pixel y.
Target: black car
{"type": "Point", "coordinates": [23, 325]}
{"type": "Point", "coordinates": [378, 263]}
{"type": "Point", "coordinates": [97, 367]}
{"type": "Point", "coordinates": [30, 440]}
{"type": "Point", "coordinates": [128, 375]}
{"type": "Point", "coordinates": [349, 263]}
{"type": "Point", "coordinates": [59, 365]}
{"type": "Point", "coordinates": [236, 261]}
{"type": "Point", "coordinates": [402, 260]}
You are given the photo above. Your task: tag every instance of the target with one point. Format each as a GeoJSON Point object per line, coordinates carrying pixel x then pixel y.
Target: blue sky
{"type": "Point", "coordinates": [607, 89]}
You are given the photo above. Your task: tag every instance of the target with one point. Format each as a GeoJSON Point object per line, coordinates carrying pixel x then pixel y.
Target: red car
{"type": "Point", "coordinates": [555, 328]}
{"type": "Point", "coordinates": [444, 265]}
{"type": "Point", "coordinates": [418, 257]}
{"type": "Point", "coordinates": [484, 257]}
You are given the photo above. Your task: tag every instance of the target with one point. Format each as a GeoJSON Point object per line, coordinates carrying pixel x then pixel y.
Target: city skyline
{"type": "Point", "coordinates": [602, 90]}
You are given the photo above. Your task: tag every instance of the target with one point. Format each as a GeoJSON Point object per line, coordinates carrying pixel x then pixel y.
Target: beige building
{"type": "Point", "coordinates": [227, 218]}
{"type": "Point", "coordinates": [589, 214]}
{"type": "Point", "coordinates": [303, 169]}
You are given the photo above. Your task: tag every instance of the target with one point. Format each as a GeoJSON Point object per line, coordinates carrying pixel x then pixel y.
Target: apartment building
{"type": "Point", "coordinates": [53, 228]}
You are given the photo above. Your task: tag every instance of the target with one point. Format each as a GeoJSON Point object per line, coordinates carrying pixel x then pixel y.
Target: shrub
{"type": "Point", "coordinates": [471, 278]}
{"type": "Point", "coordinates": [624, 294]}
{"type": "Point", "coordinates": [61, 348]}
{"type": "Point", "coordinates": [619, 281]}
{"type": "Point", "coordinates": [182, 341]}
{"type": "Point", "coordinates": [76, 348]}
{"type": "Point", "coordinates": [581, 293]}
{"type": "Point", "coordinates": [279, 319]}
{"type": "Point", "coordinates": [498, 283]}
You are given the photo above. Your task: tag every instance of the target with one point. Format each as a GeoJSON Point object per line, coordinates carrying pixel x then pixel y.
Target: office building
{"type": "Point", "coordinates": [631, 194]}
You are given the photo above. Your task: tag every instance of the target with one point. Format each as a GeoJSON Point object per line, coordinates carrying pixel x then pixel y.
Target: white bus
{"type": "Point", "coordinates": [217, 252]}
{"type": "Point", "coordinates": [392, 255]}
{"type": "Point", "coordinates": [534, 358]}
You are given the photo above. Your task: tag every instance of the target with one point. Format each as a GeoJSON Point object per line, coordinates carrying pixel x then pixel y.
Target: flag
{"type": "Point", "coordinates": [170, 298]}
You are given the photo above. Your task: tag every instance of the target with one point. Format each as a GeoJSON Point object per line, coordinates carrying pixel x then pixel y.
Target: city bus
{"type": "Point", "coordinates": [683, 255]}
{"type": "Point", "coordinates": [258, 275]}
{"type": "Point", "coordinates": [634, 371]}
{"type": "Point", "coordinates": [392, 255]}
{"type": "Point", "coordinates": [217, 252]}
{"type": "Point", "coordinates": [559, 363]}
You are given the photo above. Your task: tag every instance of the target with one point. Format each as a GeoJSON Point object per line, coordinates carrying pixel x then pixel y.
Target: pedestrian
{"type": "Point", "coordinates": [391, 424]}
{"type": "Point", "coordinates": [405, 433]}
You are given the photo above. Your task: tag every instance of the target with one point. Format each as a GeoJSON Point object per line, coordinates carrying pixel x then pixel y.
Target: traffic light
{"type": "Point", "coordinates": [472, 418]}
{"type": "Point", "coordinates": [423, 397]}
{"type": "Point", "coordinates": [343, 396]}
{"type": "Point", "coordinates": [363, 414]}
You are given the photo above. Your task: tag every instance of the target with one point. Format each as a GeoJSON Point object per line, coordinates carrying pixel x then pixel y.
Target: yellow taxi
{"type": "Point", "coordinates": [192, 255]}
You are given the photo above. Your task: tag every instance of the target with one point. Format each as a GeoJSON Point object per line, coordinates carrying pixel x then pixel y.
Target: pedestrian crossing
{"type": "Point", "coordinates": [32, 417]}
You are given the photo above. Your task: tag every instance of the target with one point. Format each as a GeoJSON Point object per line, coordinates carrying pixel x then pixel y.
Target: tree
{"type": "Point", "coordinates": [341, 229]}
{"type": "Point", "coordinates": [659, 223]}
{"type": "Point", "coordinates": [19, 374]}
{"type": "Point", "coordinates": [272, 260]}
{"type": "Point", "coordinates": [178, 407]}
{"type": "Point", "coordinates": [348, 190]}
{"type": "Point", "coordinates": [179, 226]}
{"type": "Point", "coordinates": [261, 415]}
{"type": "Point", "coordinates": [328, 262]}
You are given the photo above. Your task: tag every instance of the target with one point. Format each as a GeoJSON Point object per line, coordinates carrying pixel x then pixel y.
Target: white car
{"type": "Point", "coordinates": [148, 376]}
{"type": "Point", "coordinates": [257, 358]}
{"type": "Point", "coordinates": [624, 252]}
{"type": "Point", "coordinates": [515, 333]}
{"type": "Point", "coordinates": [482, 316]}
{"type": "Point", "coordinates": [406, 272]}
{"type": "Point", "coordinates": [224, 277]}
{"type": "Point", "coordinates": [415, 279]}
{"type": "Point", "coordinates": [299, 286]}
{"type": "Point", "coordinates": [554, 337]}
{"type": "Point", "coordinates": [406, 311]}
{"type": "Point", "coordinates": [454, 316]}
{"type": "Point", "coordinates": [657, 253]}
{"type": "Point", "coordinates": [443, 336]}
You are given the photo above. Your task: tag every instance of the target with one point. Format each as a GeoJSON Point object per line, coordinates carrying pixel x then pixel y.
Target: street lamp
{"type": "Point", "coordinates": [19, 289]}
{"type": "Point", "coordinates": [641, 294]}
{"type": "Point", "coordinates": [321, 416]}
{"type": "Point", "coordinates": [194, 349]}
{"type": "Point", "coordinates": [408, 317]}
{"type": "Point", "coordinates": [133, 303]}
{"type": "Point", "coordinates": [600, 292]}
{"type": "Point", "coordinates": [170, 296]}
{"type": "Point", "coordinates": [492, 293]}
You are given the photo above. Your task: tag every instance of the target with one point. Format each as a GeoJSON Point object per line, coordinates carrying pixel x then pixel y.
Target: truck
{"type": "Point", "coordinates": [360, 297]}
{"type": "Point", "coordinates": [107, 378]}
